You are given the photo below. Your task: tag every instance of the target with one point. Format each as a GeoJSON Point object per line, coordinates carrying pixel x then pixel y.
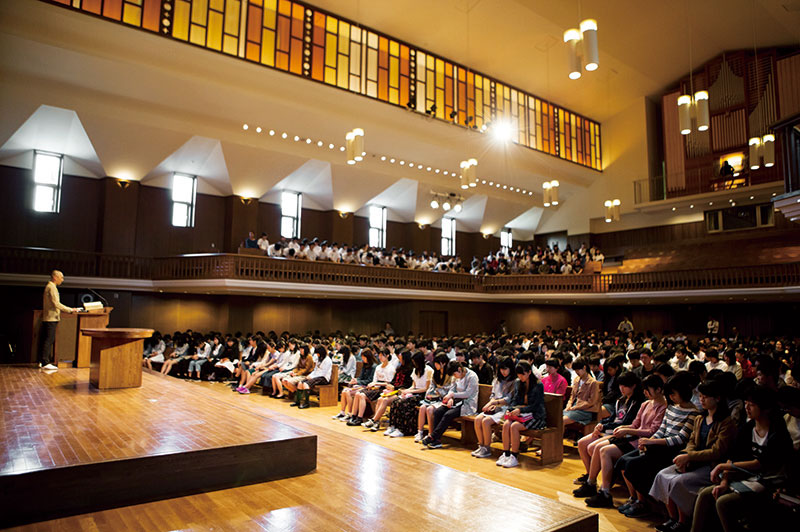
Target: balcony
{"type": "Point", "coordinates": [245, 274]}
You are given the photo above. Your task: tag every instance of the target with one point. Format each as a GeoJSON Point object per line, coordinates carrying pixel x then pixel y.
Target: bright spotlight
{"type": "Point", "coordinates": [502, 131]}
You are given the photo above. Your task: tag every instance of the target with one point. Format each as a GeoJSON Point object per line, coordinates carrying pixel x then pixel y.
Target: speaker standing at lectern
{"type": "Point", "coordinates": [51, 315]}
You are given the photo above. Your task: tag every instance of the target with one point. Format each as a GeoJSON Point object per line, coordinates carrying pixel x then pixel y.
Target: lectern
{"type": "Point", "coordinates": [70, 344]}
{"type": "Point", "coordinates": [116, 357]}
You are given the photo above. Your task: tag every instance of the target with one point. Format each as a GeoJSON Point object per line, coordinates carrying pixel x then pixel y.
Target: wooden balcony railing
{"type": "Point", "coordinates": [255, 268]}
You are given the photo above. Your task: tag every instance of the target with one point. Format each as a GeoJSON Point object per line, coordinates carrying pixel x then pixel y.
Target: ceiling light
{"type": "Point", "coordinates": [751, 197]}
{"type": "Point", "coordinates": [428, 169]}
{"type": "Point", "coordinates": [446, 172]}
{"type": "Point", "coordinates": [245, 127]}
{"type": "Point", "coordinates": [685, 114]}
{"type": "Point", "coordinates": [434, 204]}
{"type": "Point", "coordinates": [701, 110]}
{"type": "Point", "coordinates": [673, 209]}
{"type": "Point", "coordinates": [446, 205]}
{"type": "Point", "coordinates": [436, 171]}
{"type": "Point", "coordinates": [483, 181]}
{"type": "Point", "coordinates": [503, 131]}
{"type": "Point", "coordinates": [491, 183]}
{"type": "Point", "coordinates": [402, 163]}
{"type": "Point", "coordinates": [691, 206]}
{"type": "Point", "coordinates": [530, 193]}
{"type": "Point", "coordinates": [755, 156]}
{"type": "Point", "coordinates": [392, 160]}
{"type": "Point", "coordinates": [341, 148]}
{"type": "Point", "coordinates": [458, 207]}
{"type": "Point", "coordinates": [419, 167]}
{"type": "Point", "coordinates": [308, 141]}
{"type": "Point", "coordinates": [320, 143]}
{"type": "Point", "coordinates": [331, 146]}
{"type": "Point", "coordinates": [258, 129]}
{"type": "Point", "coordinates": [711, 203]}
{"type": "Point", "coordinates": [284, 135]}
{"type": "Point", "coordinates": [383, 157]}
{"type": "Point", "coordinates": [271, 132]}
{"type": "Point", "coordinates": [497, 185]}
{"type": "Point", "coordinates": [768, 143]}
{"type": "Point", "coordinates": [572, 36]}
{"type": "Point", "coordinates": [590, 50]}
{"type": "Point", "coordinates": [505, 187]}
{"type": "Point", "coordinates": [296, 138]}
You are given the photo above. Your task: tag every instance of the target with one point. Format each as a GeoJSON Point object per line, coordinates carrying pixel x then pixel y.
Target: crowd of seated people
{"type": "Point", "coordinates": [520, 260]}
{"type": "Point", "coordinates": [706, 439]}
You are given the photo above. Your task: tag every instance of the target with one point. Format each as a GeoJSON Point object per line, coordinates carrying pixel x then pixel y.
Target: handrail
{"type": "Point", "coordinates": [254, 268]}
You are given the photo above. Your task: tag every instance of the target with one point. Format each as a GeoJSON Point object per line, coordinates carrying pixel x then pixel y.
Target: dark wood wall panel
{"type": "Point", "coordinates": [156, 236]}
{"type": "Point", "coordinates": [74, 228]}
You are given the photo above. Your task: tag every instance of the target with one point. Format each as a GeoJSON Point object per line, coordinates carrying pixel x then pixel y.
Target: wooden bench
{"type": "Point", "coordinates": [329, 393]}
{"type": "Point", "coordinates": [548, 440]}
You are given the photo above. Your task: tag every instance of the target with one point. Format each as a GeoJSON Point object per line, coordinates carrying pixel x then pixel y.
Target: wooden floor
{"type": "Point", "coordinates": [106, 449]}
{"type": "Point", "coordinates": [364, 481]}
{"type": "Point", "coordinates": [60, 420]}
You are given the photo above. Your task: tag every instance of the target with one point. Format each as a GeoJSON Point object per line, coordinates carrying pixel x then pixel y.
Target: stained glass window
{"type": "Point", "coordinates": [303, 40]}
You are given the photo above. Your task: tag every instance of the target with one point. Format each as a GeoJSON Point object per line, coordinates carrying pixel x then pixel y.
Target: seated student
{"type": "Point", "coordinates": [624, 440]}
{"type": "Point", "coordinates": [384, 373]}
{"type": "Point", "coordinates": [594, 368]}
{"type": "Point", "coordinates": [181, 348]}
{"type": "Point", "coordinates": [495, 409]}
{"type": "Point", "coordinates": [554, 382]}
{"type": "Point", "coordinates": [291, 362]}
{"type": "Point", "coordinates": [681, 360]}
{"type": "Point", "coordinates": [305, 365]}
{"type": "Point", "coordinates": [748, 370]}
{"type": "Point", "coordinates": [525, 412]}
{"type": "Point", "coordinates": [634, 361]}
{"type": "Point", "coordinates": [713, 435]}
{"type": "Point", "coordinates": [251, 354]}
{"type": "Point", "coordinates": [223, 367]}
{"type": "Point", "coordinates": [156, 352]}
{"type": "Point", "coordinates": [440, 386]}
{"type": "Point", "coordinates": [253, 369]}
{"type": "Point", "coordinates": [364, 379]}
{"type": "Point", "coordinates": [640, 467]}
{"type": "Point", "coordinates": [584, 401]}
{"type": "Point", "coordinates": [347, 368]}
{"type": "Point", "coordinates": [461, 400]}
{"type": "Point", "coordinates": [200, 357]}
{"type": "Point", "coordinates": [320, 375]}
{"type": "Point", "coordinates": [480, 367]}
{"type": "Point", "coordinates": [625, 411]}
{"type": "Point", "coordinates": [729, 356]}
{"type": "Point", "coordinates": [258, 371]}
{"type": "Point", "coordinates": [610, 392]}
{"type": "Point", "coordinates": [400, 383]}
{"type": "Point", "coordinates": [761, 448]}
{"type": "Point", "coordinates": [698, 370]}
{"type": "Point", "coordinates": [713, 361]}
{"type": "Point", "coordinates": [789, 398]}
{"type": "Point", "coordinates": [403, 415]}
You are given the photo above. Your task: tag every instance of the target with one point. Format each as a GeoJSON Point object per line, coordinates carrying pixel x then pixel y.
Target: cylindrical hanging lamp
{"type": "Point", "coordinates": [554, 192]}
{"type": "Point", "coordinates": [572, 37]}
{"type": "Point", "coordinates": [701, 105]}
{"type": "Point", "coordinates": [685, 113]}
{"type": "Point", "coordinates": [768, 143]}
{"type": "Point", "coordinates": [590, 51]}
{"type": "Point", "coordinates": [546, 193]}
{"type": "Point", "coordinates": [755, 156]}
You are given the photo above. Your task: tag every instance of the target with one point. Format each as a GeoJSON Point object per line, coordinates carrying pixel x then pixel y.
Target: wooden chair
{"type": "Point", "coordinates": [549, 438]}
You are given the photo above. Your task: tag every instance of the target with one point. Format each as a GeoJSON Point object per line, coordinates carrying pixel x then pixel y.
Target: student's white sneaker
{"type": "Point", "coordinates": [511, 462]}
{"type": "Point", "coordinates": [501, 462]}
{"type": "Point", "coordinates": [396, 433]}
{"type": "Point", "coordinates": [476, 451]}
{"type": "Point", "coordinates": [388, 432]}
{"type": "Point", "coordinates": [368, 424]}
{"type": "Point", "coordinates": [347, 417]}
{"type": "Point", "coordinates": [484, 452]}
{"type": "Point", "coordinates": [418, 437]}
{"type": "Point", "coordinates": [50, 367]}
{"type": "Point", "coordinates": [340, 415]}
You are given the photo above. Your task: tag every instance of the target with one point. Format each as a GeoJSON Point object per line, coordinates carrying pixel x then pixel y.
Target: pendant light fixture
{"type": "Point", "coordinates": [550, 193]}
{"type": "Point", "coordinates": [760, 145]}
{"type": "Point", "coordinates": [354, 145]}
{"type": "Point", "coordinates": [692, 107]}
{"type": "Point", "coordinates": [586, 35]}
{"type": "Point", "coordinates": [468, 173]}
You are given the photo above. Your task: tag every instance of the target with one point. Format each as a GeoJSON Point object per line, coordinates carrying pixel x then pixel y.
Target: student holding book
{"type": "Point", "coordinates": [462, 399]}
{"type": "Point", "coordinates": [440, 385]}
{"type": "Point", "coordinates": [525, 412]}
{"type": "Point", "coordinates": [355, 385]}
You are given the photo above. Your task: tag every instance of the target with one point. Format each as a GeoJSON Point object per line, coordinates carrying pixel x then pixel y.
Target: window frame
{"type": "Point", "coordinates": [505, 233]}
{"type": "Point", "coordinates": [55, 188]}
{"type": "Point", "coordinates": [381, 230]}
{"type": "Point", "coordinates": [190, 205]}
{"type": "Point", "coordinates": [448, 247]}
{"type": "Point", "coordinates": [298, 196]}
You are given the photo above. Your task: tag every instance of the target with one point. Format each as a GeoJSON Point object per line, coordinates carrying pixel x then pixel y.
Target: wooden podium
{"type": "Point", "coordinates": [116, 360]}
{"type": "Point", "coordinates": [70, 344]}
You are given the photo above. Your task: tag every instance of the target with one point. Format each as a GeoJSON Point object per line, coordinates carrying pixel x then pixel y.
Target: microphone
{"type": "Point", "coordinates": [104, 300]}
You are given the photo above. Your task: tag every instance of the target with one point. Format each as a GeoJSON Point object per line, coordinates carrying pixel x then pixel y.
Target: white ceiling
{"type": "Point", "coordinates": [644, 45]}
{"type": "Point", "coordinates": [122, 103]}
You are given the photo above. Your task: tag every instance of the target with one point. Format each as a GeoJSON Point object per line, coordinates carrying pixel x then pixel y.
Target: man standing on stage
{"type": "Point", "coordinates": [51, 315]}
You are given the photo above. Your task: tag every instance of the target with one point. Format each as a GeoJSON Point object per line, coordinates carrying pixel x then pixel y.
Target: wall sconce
{"type": "Point", "coordinates": [246, 201]}
{"type": "Point", "coordinates": [422, 227]}
{"type": "Point", "coordinates": [486, 236]}
{"type": "Point", "coordinates": [344, 215]}
{"type": "Point", "coordinates": [123, 184]}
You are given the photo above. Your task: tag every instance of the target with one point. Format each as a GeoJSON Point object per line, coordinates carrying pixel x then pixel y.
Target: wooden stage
{"type": "Point", "coordinates": [358, 485]}
{"type": "Point", "coordinates": [69, 448]}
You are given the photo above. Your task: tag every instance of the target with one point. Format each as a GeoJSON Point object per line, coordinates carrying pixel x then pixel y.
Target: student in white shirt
{"type": "Point", "coordinates": [384, 374]}
{"type": "Point", "coordinates": [320, 375]}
